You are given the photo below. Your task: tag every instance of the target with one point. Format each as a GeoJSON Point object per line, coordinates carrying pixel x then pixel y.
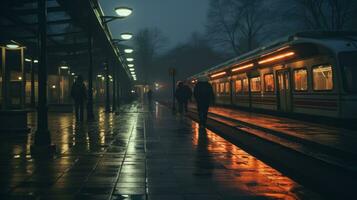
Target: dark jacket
{"type": "Point", "coordinates": [183, 93]}
{"type": "Point", "coordinates": [79, 92]}
{"type": "Point", "coordinates": [203, 93]}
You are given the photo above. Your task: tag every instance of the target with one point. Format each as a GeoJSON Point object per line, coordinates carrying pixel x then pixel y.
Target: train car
{"type": "Point", "coordinates": [313, 73]}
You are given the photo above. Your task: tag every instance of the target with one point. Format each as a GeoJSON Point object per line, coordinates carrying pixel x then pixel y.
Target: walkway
{"type": "Point", "coordinates": [139, 155]}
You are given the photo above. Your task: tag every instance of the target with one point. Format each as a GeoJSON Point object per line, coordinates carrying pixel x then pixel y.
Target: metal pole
{"type": "Point", "coordinates": [42, 143]}
{"type": "Point", "coordinates": [59, 85]}
{"type": "Point", "coordinates": [4, 79]}
{"type": "Point", "coordinates": [173, 92]}
{"type": "Point", "coordinates": [107, 93]}
{"type": "Point", "coordinates": [23, 80]}
{"type": "Point", "coordinates": [118, 91]}
{"type": "Point", "coordinates": [32, 83]}
{"type": "Point", "coordinates": [90, 114]}
{"type": "Point", "coordinates": [114, 87]}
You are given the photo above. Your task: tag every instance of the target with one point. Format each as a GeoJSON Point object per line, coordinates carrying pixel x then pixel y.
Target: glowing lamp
{"type": "Point", "coordinates": [126, 36]}
{"type": "Point", "coordinates": [123, 11]}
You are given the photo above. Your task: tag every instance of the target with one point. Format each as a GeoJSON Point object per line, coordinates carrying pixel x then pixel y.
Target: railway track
{"type": "Point", "coordinates": [330, 171]}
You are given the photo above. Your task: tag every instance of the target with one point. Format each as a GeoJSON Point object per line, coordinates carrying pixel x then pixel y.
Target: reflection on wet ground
{"type": "Point", "coordinates": [140, 154]}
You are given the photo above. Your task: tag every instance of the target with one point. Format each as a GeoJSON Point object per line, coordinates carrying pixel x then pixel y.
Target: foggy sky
{"type": "Point", "coordinates": [177, 19]}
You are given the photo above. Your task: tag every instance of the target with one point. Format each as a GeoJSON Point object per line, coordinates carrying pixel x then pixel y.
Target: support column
{"type": "Point", "coordinates": [23, 80]}
{"type": "Point", "coordinates": [114, 88]}
{"type": "Point", "coordinates": [33, 101]}
{"type": "Point", "coordinates": [4, 101]}
{"type": "Point", "coordinates": [107, 91]}
{"type": "Point", "coordinates": [42, 143]}
{"type": "Point", "coordinates": [118, 90]}
{"type": "Point", "coordinates": [90, 114]}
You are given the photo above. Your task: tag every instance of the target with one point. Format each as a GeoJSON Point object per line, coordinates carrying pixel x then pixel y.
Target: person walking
{"type": "Point", "coordinates": [149, 96]}
{"type": "Point", "coordinates": [180, 96]}
{"type": "Point", "coordinates": [204, 96]}
{"type": "Point", "coordinates": [188, 95]}
{"type": "Point", "coordinates": [79, 95]}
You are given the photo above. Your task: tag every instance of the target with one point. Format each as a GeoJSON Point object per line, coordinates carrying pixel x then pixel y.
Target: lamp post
{"type": "Point", "coordinates": [107, 93]}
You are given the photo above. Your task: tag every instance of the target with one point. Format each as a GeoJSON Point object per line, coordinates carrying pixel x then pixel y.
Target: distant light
{"type": "Point", "coordinates": [28, 60]}
{"type": "Point", "coordinates": [111, 80]}
{"type": "Point", "coordinates": [17, 156]}
{"type": "Point", "coordinates": [131, 69]}
{"type": "Point", "coordinates": [99, 75]}
{"type": "Point", "coordinates": [35, 61]}
{"type": "Point", "coordinates": [103, 78]}
{"type": "Point", "coordinates": [133, 73]}
{"type": "Point", "coordinates": [54, 86]}
{"type": "Point", "coordinates": [130, 59]}
{"type": "Point", "coordinates": [134, 78]}
{"type": "Point", "coordinates": [133, 91]}
{"type": "Point", "coordinates": [110, 76]}
{"type": "Point", "coordinates": [64, 67]}
{"type": "Point", "coordinates": [156, 85]}
{"type": "Point", "coordinates": [130, 65]}
{"type": "Point", "coordinates": [12, 46]}
{"type": "Point", "coordinates": [128, 50]}
{"type": "Point", "coordinates": [126, 36]}
{"type": "Point", "coordinates": [73, 73]}
{"type": "Point", "coordinates": [123, 11]}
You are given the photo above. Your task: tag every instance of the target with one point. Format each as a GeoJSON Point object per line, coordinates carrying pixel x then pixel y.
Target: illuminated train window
{"type": "Point", "coordinates": [238, 86]}
{"type": "Point", "coordinates": [322, 77]}
{"type": "Point", "coordinates": [300, 80]}
{"type": "Point", "coordinates": [221, 88]}
{"type": "Point", "coordinates": [245, 85]}
{"type": "Point", "coordinates": [269, 82]}
{"type": "Point", "coordinates": [255, 84]}
{"type": "Point", "coordinates": [227, 88]}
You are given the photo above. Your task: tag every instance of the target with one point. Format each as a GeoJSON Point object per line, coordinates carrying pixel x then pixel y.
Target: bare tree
{"type": "Point", "coordinates": [327, 14]}
{"type": "Point", "coordinates": [148, 43]}
{"type": "Point", "coordinates": [236, 23]}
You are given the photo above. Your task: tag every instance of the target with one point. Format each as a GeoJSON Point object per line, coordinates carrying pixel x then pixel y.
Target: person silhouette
{"type": "Point", "coordinates": [203, 93]}
{"type": "Point", "coordinates": [79, 95]}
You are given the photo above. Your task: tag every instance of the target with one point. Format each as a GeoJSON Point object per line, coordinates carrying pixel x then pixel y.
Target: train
{"type": "Point", "coordinates": [308, 73]}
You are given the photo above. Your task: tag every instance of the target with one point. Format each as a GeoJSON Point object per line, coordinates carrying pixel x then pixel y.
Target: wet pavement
{"type": "Point", "coordinates": [337, 138]}
{"type": "Point", "coordinates": [140, 154]}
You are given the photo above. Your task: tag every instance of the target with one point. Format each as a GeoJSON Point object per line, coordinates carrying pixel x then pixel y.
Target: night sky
{"type": "Point", "coordinates": [177, 19]}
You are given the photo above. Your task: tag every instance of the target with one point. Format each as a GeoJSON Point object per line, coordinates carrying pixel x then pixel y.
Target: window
{"type": "Point", "coordinates": [227, 88]}
{"type": "Point", "coordinates": [238, 86]}
{"type": "Point", "coordinates": [245, 85]}
{"type": "Point", "coordinates": [300, 80]}
{"type": "Point", "coordinates": [255, 84]}
{"type": "Point", "coordinates": [221, 90]}
{"type": "Point", "coordinates": [269, 82]}
{"type": "Point", "coordinates": [349, 68]}
{"type": "Point", "coordinates": [322, 77]}
{"type": "Point", "coordinates": [217, 87]}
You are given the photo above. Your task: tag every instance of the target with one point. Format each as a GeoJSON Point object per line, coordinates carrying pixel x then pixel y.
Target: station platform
{"type": "Point", "coordinates": [339, 139]}
{"type": "Point", "coordinates": [143, 153]}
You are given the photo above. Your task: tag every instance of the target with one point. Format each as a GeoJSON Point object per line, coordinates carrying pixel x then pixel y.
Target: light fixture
{"type": "Point", "coordinates": [130, 59]}
{"type": "Point", "coordinates": [99, 76]}
{"type": "Point", "coordinates": [281, 56]}
{"type": "Point", "coordinates": [128, 50]}
{"type": "Point", "coordinates": [12, 45]}
{"type": "Point", "coordinates": [242, 67]}
{"type": "Point", "coordinates": [123, 11]}
{"type": "Point", "coordinates": [131, 69]}
{"type": "Point", "coordinates": [73, 73]}
{"type": "Point", "coordinates": [28, 60]}
{"type": "Point", "coordinates": [35, 61]}
{"type": "Point", "coordinates": [64, 67]}
{"type": "Point", "coordinates": [133, 73]}
{"type": "Point", "coordinates": [54, 86]}
{"type": "Point", "coordinates": [218, 74]}
{"type": "Point", "coordinates": [130, 65]}
{"type": "Point", "coordinates": [103, 78]}
{"type": "Point", "coordinates": [20, 78]}
{"type": "Point", "coordinates": [126, 36]}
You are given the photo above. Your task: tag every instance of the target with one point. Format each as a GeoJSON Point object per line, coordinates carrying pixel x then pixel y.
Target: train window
{"type": "Point", "coordinates": [221, 90]}
{"type": "Point", "coordinates": [217, 87]}
{"type": "Point", "coordinates": [322, 77]}
{"type": "Point", "coordinates": [300, 79]}
{"type": "Point", "coordinates": [269, 82]}
{"type": "Point", "coordinates": [238, 86]}
{"type": "Point", "coordinates": [255, 84]}
{"type": "Point", "coordinates": [348, 63]}
{"type": "Point", "coordinates": [227, 88]}
{"type": "Point", "coordinates": [245, 85]}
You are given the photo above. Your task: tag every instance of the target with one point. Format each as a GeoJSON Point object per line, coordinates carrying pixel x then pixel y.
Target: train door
{"type": "Point", "coordinates": [284, 90]}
